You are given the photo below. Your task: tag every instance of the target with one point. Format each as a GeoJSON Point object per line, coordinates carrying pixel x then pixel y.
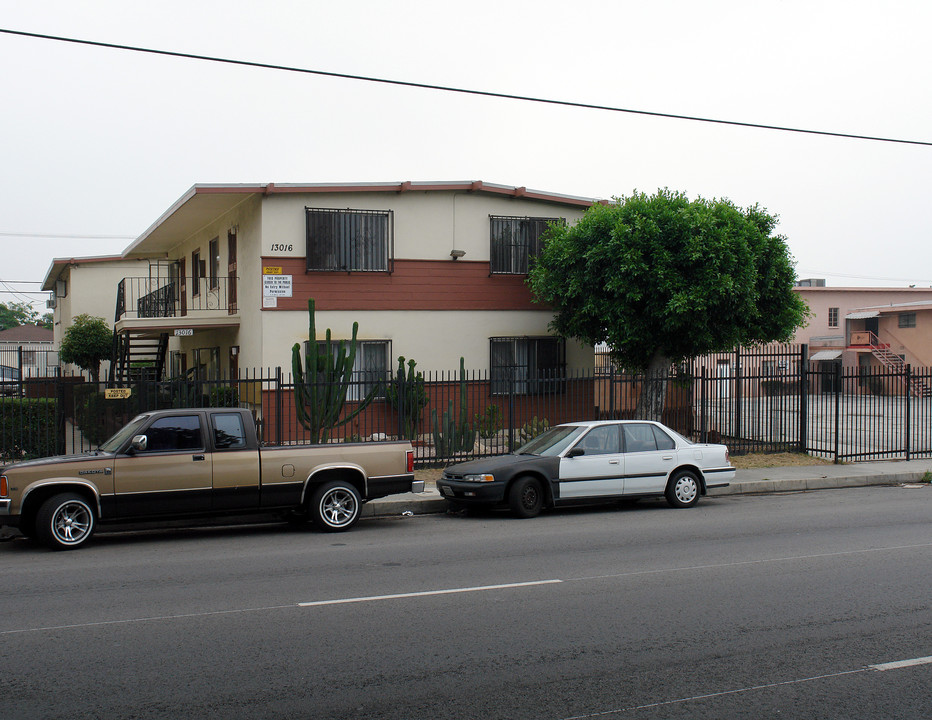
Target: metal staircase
{"type": "Point", "coordinates": [891, 360]}
{"type": "Point", "coordinates": [137, 356]}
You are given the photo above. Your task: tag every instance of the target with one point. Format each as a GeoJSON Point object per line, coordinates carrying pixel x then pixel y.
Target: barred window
{"type": "Point", "coordinates": [370, 366]}
{"type": "Point", "coordinates": [349, 240]}
{"type": "Point", "coordinates": [907, 320]}
{"type": "Point", "coordinates": [527, 365]}
{"type": "Point", "coordinates": [514, 240]}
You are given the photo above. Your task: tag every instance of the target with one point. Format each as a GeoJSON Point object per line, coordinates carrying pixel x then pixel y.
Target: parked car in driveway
{"type": "Point", "coordinates": [588, 462]}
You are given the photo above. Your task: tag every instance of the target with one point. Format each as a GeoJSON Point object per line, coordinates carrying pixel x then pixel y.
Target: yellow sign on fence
{"type": "Point", "coordinates": [117, 393]}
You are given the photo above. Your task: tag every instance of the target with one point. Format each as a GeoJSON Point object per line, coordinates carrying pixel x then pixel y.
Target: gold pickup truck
{"type": "Point", "coordinates": [173, 464]}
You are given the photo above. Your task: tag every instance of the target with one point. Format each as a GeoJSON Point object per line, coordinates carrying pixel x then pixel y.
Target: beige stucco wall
{"type": "Point", "coordinates": [428, 225]}
{"type": "Point", "coordinates": [436, 340]}
{"type": "Point", "coordinates": [91, 290]}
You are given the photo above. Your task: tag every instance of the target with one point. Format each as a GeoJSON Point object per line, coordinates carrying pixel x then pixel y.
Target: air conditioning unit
{"type": "Point", "coordinates": [51, 302]}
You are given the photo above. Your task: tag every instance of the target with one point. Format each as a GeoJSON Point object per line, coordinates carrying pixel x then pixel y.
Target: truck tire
{"type": "Point", "coordinates": [335, 506]}
{"type": "Point", "coordinates": [65, 521]}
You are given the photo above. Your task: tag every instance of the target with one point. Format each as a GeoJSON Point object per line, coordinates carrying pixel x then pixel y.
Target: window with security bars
{"type": "Point", "coordinates": [527, 365]}
{"type": "Point", "coordinates": [370, 366]}
{"type": "Point", "coordinates": [906, 320]}
{"type": "Point", "coordinates": [515, 240]}
{"type": "Point", "coordinates": [349, 240]}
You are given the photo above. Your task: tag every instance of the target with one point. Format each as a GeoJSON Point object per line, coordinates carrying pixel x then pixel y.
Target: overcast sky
{"type": "Point", "coordinates": [98, 143]}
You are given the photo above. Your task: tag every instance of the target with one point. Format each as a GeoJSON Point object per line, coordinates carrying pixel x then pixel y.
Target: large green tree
{"type": "Point", "coordinates": [661, 278]}
{"type": "Point", "coordinates": [88, 341]}
{"type": "Point", "coordinates": [16, 314]}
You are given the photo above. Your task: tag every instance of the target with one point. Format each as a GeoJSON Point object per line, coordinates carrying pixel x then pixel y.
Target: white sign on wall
{"type": "Point", "coordinates": [276, 285]}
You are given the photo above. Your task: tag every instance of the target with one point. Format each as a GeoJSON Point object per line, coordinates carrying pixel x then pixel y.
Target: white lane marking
{"type": "Point", "coordinates": [152, 618]}
{"type": "Point", "coordinates": [899, 664]}
{"type": "Point", "coordinates": [763, 561]}
{"type": "Point", "coordinates": [738, 691]}
{"type": "Point", "coordinates": [883, 667]}
{"type": "Point", "coordinates": [425, 593]}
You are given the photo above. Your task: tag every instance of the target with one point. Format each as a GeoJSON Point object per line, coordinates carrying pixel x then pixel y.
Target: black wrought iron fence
{"type": "Point", "coordinates": [762, 401]}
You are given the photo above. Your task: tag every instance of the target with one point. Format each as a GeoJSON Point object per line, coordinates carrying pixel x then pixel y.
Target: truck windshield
{"type": "Point", "coordinates": [123, 434]}
{"type": "Point", "coordinates": [552, 442]}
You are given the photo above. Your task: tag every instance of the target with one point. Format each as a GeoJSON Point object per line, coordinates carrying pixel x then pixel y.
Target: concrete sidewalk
{"type": "Point", "coordinates": [792, 478]}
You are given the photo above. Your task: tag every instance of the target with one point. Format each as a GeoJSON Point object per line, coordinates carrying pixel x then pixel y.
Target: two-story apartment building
{"type": "Point", "coordinates": [86, 285]}
{"type": "Point", "coordinates": [867, 328]}
{"type": "Point", "coordinates": [431, 271]}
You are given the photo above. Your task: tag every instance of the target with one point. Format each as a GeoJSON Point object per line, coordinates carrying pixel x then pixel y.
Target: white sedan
{"type": "Point", "coordinates": [593, 461]}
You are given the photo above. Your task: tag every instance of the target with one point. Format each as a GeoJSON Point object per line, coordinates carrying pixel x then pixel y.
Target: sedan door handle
{"type": "Point", "coordinates": [613, 462]}
{"type": "Point", "coordinates": [197, 457]}
{"type": "Point", "coordinates": [667, 457]}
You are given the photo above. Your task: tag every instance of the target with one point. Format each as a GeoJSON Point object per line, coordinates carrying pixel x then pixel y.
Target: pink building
{"type": "Point", "coordinates": [867, 327]}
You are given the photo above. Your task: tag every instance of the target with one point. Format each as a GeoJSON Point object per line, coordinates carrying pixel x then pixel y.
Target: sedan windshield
{"type": "Point", "coordinates": [552, 442]}
{"type": "Point", "coordinates": [123, 434]}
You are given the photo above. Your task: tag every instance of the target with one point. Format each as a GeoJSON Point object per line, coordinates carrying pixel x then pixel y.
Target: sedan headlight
{"type": "Point", "coordinates": [479, 478]}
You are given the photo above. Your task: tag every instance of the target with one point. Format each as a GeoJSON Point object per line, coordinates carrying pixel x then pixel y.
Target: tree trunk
{"type": "Point", "coordinates": [654, 389]}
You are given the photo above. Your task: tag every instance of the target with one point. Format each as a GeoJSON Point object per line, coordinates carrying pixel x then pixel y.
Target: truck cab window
{"type": "Point", "coordinates": [181, 432]}
{"type": "Point", "coordinates": [229, 433]}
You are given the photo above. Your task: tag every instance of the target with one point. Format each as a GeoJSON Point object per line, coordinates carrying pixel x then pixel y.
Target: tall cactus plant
{"type": "Point", "coordinates": [452, 436]}
{"type": "Point", "coordinates": [322, 381]}
{"type": "Point", "coordinates": [408, 395]}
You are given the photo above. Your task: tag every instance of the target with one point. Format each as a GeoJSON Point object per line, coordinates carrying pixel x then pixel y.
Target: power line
{"type": "Point", "coordinates": [463, 91]}
{"type": "Point", "coordinates": [67, 237]}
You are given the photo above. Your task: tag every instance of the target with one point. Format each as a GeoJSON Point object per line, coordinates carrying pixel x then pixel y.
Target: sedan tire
{"type": "Point", "coordinates": [684, 489]}
{"type": "Point", "coordinates": [526, 497]}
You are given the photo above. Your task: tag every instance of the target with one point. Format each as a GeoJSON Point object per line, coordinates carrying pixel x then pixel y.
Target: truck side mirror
{"type": "Point", "coordinates": [140, 443]}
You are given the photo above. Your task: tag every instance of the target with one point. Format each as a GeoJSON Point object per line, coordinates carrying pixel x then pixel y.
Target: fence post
{"type": "Point", "coordinates": [703, 428]}
{"type": "Point", "coordinates": [511, 410]}
{"type": "Point", "coordinates": [909, 380]}
{"type": "Point", "coordinates": [61, 440]}
{"type": "Point", "coordinates": [278, 405]}
{"type": "Point", "coordinates": [803, 398]}
{"type": "Point", "coordinates": [738, 399]}
{"type": "Point", "coordinates": [836, 386]}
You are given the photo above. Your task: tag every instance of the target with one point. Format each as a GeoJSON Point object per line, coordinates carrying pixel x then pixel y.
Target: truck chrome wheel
{"type": "Point", "coordinates": [336, 506]}
{"type": "Point", "coordinates": [65, 521]}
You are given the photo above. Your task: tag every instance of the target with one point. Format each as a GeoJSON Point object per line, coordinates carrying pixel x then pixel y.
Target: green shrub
{"type": "Point", "coordinates": [490, 422]}
{"type": "Point", "coordinates": [97, 417]}
{"type": "Point", "coordinates": [224, 396]}
{"type": "Point", "coordinates": [28, 428]}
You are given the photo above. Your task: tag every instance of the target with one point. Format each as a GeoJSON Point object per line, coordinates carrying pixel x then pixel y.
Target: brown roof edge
{"type": "Point", "coordinates": [408, 186]}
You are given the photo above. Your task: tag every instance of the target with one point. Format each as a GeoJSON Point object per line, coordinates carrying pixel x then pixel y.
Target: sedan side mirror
{"type": "Point", "coordinates": [575, 452]}
{"type": "Point", "coordinates": [140, 443]}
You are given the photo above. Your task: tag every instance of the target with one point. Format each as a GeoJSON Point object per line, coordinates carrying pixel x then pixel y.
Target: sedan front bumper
{"type": "Point", "coordinates": [467, 493]}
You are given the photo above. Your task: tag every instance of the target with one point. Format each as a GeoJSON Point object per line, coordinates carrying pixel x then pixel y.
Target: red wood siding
{"type": "Point", "coordinates": [414, 285]}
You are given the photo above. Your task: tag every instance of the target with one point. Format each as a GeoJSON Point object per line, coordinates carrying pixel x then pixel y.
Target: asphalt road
{"type": "Point", "coordinates": [748, 606]}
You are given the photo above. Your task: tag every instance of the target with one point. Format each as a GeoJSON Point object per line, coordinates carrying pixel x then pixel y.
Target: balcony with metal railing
{"type": "Point", "coordinates": [175, 301]}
